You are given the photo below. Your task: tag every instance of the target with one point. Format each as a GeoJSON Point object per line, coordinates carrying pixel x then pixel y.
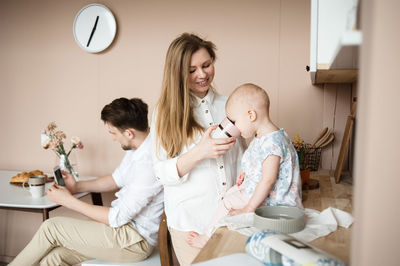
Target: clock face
{"type": "Point", "coordinates": [94, 28]}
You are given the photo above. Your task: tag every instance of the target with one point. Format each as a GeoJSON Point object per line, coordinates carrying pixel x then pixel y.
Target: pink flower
{"type": "Point", "coordinates": [51, 127]}
{"type": "Point", "coordinates": [54, 139]}
{"type": "Point", "coordinates": [76, 142]}
{"type": "Point", "coordinates": [54, 144]}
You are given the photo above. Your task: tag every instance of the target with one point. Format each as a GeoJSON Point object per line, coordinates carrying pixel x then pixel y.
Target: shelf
{"type": "Point", "coordinates": [335, 76]}
{"type": "Point", "coordinates": [344, 64]}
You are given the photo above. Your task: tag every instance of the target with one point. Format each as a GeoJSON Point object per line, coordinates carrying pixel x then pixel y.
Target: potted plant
{"type": "Point", "coordinates": [301, 149]}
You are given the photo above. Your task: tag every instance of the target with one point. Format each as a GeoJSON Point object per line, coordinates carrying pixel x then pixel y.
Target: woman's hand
{"type": "Point", "coordinates": [59, 194]}
{"type": "Point", "coordinates": [206, 148]}
{"type": "Point", "coordinates": [213, 148]}
{"type": "Point", "coordinates": [70, 182]}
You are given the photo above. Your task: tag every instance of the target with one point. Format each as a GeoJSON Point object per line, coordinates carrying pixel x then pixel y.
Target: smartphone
{"type": "Point", "coordinates": [58, 176]}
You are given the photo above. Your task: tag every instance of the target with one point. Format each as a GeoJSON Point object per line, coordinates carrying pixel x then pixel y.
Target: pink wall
{"type": "Point", "coordinates": [45, 76]}
{"type": "Point", "coordinates": [376, 200]}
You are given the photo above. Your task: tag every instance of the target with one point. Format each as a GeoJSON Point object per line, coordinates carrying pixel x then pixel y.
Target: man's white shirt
{"type": "Point", "coordinates": [140, 198]}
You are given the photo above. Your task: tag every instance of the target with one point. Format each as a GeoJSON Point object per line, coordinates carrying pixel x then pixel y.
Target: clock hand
{"type": "Point", "coordinates": [93, 30]}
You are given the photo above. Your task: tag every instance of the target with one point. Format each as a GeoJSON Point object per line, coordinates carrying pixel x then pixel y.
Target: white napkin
{"type": "Point", "coordinates": [318, 224]}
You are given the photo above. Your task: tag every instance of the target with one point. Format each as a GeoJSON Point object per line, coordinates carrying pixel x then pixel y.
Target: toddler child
{"type": "Point", "coordinates": [270, 164]}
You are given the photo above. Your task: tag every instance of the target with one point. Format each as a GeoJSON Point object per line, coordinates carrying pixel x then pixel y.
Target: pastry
{"type": "Point", "coordinates": [36, 172]}
{"type": "Point", "coordinates": [24, 176]}
{"type": "Point", "coordinates": [21, 177]}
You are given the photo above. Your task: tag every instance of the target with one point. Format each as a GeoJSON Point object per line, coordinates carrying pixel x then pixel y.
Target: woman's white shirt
{"type": "Point", "coordinates": [191, 200]}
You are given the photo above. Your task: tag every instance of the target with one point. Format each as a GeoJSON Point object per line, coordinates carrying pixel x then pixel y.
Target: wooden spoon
{"type": "Point", "coordinates": [328, 140]}
{"type": "Point", "coordinates": [320, 135]}
{"type": "Point", "coordinates": [320, 140]}
{"type": "Point", "coordinates": [323, 139]}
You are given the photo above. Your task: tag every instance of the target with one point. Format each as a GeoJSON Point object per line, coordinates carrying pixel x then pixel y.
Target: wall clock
{"type": "Point", "coordinates": [94, 28]}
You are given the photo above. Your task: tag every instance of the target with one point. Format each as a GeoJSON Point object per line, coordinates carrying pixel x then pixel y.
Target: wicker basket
{"type": "Point", "coordinates": [312, 158]}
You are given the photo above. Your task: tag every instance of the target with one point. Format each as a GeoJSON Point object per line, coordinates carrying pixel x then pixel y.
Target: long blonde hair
{"type": "Point", "coordinates": [175, 124]}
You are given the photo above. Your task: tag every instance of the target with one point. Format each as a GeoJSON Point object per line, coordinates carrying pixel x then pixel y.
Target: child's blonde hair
{"type": "Point", "coordinates": [251, 96]}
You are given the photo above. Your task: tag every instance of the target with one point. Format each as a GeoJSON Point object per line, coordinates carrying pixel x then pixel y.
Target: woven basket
{"type": "Point", "coordinates": [312, 158]}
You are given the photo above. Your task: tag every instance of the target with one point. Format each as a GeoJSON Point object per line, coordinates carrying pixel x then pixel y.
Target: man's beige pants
{"type": "Point", "coordinates": [68, 241]}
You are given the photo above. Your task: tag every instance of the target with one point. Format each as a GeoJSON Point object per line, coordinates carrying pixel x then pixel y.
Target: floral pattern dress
{"type": "Point", "coordinates": [287, 189]}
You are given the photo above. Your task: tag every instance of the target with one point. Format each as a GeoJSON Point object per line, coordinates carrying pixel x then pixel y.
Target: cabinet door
{"type": "Point", "coordinates": [334, 39]}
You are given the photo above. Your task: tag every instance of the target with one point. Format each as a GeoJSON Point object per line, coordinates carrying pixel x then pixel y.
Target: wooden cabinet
{"type": "Point", "coordinates": [334, 41]}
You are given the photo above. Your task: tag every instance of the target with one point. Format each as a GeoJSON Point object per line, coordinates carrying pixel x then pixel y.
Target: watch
{"type": "Point", "coordinates": [94, 28]}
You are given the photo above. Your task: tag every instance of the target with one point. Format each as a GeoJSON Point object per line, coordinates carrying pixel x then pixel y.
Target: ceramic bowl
{"type": "Point", "coordinates": [282, 219]}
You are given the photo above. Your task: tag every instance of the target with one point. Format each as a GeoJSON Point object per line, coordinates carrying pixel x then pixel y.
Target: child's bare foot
{"type": "Point", "coordinates": [197, 241]}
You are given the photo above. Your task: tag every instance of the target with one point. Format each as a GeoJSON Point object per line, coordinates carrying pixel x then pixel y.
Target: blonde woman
{"type": "Point", "coordinates": [185, 154]}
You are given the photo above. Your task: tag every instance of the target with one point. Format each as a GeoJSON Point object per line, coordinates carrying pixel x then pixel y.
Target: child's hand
{"type": "Point", "coordinates": [238, 211]}
{"type": "Point", "coordinates": [240, 179]}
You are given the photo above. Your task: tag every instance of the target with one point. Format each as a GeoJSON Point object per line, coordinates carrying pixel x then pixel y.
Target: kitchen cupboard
{"type": "Point", "coordinates": [335, 40]}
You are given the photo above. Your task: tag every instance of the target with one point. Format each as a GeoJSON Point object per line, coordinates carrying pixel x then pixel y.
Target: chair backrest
{"type": "Point", "coordinates": [164, 243]}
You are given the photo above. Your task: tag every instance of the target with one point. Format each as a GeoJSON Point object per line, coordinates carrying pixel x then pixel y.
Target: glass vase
{"type": "Point", "coordinates": [69, 165]}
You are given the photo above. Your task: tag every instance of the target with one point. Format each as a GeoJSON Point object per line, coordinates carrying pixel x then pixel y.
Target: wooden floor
{"type": "Point", "coordinates": [339, 196]}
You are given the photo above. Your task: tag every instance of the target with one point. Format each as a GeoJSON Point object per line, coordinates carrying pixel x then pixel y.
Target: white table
{"type": "Point", "coordinates": [13, 197]}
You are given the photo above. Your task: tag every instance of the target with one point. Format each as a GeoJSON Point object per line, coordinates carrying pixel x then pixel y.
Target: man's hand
{"type": "Point", "coordinates": [240, 179]}
{"type": "Point", "coordinates": [70, 182]}
{"type": "Point", "coordinates": [62, 196]}
{"type": "Point", "coordinates": [59, 194]}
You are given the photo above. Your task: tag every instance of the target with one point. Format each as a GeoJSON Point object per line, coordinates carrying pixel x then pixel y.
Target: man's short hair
{"type": "Point", "coordinates": [123, 113]}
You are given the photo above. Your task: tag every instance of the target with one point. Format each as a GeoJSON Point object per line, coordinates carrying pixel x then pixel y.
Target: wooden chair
{"type": "Point", "coordinates": [164, 243]}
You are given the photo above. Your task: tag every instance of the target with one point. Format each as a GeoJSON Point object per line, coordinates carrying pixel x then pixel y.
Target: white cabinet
{"type": "Point", "coordinates": [334, 41]}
